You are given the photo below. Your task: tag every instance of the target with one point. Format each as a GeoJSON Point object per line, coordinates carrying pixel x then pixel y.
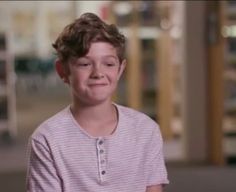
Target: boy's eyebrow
{"type": "Point", "coordinates": [111, 56]}
{"type": "Point", "coordinates": [105, 56]}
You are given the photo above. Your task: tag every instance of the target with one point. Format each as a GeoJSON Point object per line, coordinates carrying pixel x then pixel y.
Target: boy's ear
{"type": "Point", "coordinates": [61, 71]}
{"type": "Point", "coordinates": [122, 68]}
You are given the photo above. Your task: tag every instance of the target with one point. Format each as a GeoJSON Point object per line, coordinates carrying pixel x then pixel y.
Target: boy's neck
{"type": "Point", "coordinates": [97, 120]}
{"type": "Point", "coordinates": [98, 111]}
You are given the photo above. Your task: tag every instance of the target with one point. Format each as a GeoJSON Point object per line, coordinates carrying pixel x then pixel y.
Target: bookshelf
{"type": "Point", "coordinates": [229, 125]}
{"type": "Point", "coordinates": [7, 90]}
{"type": "Point", "coordinates": [229, 78]}
{"type": "Point", "coordinates": [148, 82]}
{"type": "Point", "coordinates": [138, 83]}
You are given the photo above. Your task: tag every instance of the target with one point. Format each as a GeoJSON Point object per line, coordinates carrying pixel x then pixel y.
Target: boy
{"type": "Point", "coordinates": [94, 145]}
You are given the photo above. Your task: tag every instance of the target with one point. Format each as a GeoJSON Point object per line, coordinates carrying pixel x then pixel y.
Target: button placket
{"type": "Point", "coordinates": [101, 159]}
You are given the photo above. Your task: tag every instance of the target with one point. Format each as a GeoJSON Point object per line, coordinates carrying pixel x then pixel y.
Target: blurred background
{"type": "Point", "coordinates": [181, 72]}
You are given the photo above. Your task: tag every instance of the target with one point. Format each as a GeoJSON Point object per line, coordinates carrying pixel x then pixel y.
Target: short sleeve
{"type": "Point", "coordinates": [155, 165]}
{"type": "Point", "coordinates": [41, 174]}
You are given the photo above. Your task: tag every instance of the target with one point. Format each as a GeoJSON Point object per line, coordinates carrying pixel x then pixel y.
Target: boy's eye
{"type": "Point", "coordinates": [84, 64]}
{"type": "Point", "coordinates": [110, 64]}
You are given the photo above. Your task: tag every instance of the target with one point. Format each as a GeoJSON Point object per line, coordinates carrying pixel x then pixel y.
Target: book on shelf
{"type": "Point", "coordinates": [3, 108]}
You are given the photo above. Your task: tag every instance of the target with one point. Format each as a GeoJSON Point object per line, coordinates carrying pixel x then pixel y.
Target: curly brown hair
{"type": "Point", "coordinates": [76, 38]}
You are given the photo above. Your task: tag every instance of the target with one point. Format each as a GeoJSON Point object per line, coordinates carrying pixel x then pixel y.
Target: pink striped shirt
{"type": "Point", "coordinates": [64, 157]}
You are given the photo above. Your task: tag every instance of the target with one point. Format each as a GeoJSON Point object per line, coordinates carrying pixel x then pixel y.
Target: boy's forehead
{"type": "Point", "coordinates": [105, 57]}
{"type": "Point", "coordinates": [103, 44]}
{"type": "Point", "coordinates": [102, 49]}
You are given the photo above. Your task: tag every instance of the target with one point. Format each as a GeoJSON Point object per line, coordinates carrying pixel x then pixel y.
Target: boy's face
{"type": "Point", "coordinates": [94, 77]}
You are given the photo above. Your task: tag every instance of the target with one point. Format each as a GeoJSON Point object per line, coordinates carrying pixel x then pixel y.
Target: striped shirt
{"type": "Point", "coordinates": [64, 157]}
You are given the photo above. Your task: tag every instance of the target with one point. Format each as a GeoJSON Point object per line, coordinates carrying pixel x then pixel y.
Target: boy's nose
{"type": "Point", "coordinates": [96, 72]}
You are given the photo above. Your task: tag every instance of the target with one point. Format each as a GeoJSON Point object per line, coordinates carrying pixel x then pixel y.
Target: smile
{"type": "Point", "coordinates": [97, 85]}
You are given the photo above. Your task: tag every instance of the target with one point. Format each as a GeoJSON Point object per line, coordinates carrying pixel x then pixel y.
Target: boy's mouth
{"type": "Point", "coordinates": [97, 85]}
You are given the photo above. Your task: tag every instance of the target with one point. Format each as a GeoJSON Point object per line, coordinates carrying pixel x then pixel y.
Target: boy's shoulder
{"type": "Point", "coordinates": [133, 115]}
{"type": "Point", "coordinates": [139, 123]}
{"type": "Point", "coordinates": [53, 124]}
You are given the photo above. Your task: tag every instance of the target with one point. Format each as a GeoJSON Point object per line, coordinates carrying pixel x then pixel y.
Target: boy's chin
{"type": "Point", "coordinates": [97, 101]}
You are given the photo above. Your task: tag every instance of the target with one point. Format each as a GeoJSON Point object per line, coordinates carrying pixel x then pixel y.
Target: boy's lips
{"type": "Point", "coordinates": [97, 84]}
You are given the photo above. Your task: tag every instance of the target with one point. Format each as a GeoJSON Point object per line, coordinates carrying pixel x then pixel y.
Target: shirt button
{"type": "Point", "coordinates": [103, 172]}
{"type": "Point", "coordinates": [101, 151]}
{"type": "Point", "coordinates": [100, 142]}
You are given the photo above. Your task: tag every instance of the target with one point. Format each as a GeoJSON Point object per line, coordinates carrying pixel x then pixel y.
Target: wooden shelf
{"type": "Point", "coordinates": [143, 32]}
{"type": "Point", "coordinates": [231, 58]}
{"type": "Point", "coordinates": [149, 66]}
{"type": "Point", "coordinates": [3, 90]}
{"type": "Point", "coordinates": [230, 12]}
{"type": "Point", "coordinates": [3, 55]}
{"type": "Point", "coordinates": [229, 125]}
{"type": "Point", "coordinates": [3, 124]}
{"type": "Point", "coordinates": [230, 75]}
{"type": "Point", "coordinates": [7, 89]}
